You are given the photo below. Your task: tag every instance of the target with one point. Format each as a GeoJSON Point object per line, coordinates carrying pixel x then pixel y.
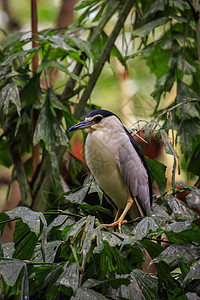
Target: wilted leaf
{"type": "Point", "coordinates": [178, 253]}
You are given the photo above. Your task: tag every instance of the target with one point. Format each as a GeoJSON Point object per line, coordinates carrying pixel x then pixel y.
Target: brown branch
{"type": "Point", "coordinates": [103, 58]}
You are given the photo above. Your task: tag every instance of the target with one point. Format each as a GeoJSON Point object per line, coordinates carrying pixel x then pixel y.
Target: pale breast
{"type": "Point", "coordinates": [102, 159]}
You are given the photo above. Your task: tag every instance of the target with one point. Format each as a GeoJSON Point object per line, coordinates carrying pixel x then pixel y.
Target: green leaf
{"type": "Point", "coordinates": [48, 129]}
{"type": "Point", "coordinates": [84, 293]}
{"type": "Point", "coordinates": [115, 283]}
{"type": "Point", "coordinates": [194, 272]}
{"type": "Point", "coordinates": [193, 199]}
{"type": "Point", "coordinates": [180, 210]}
{"type": "Point", "coordinates": [8, 249]}
{"type": "Point", "coordinates": [47, 253]}
{"type": "Point", "coordinates": [141, 230]}
{"type": "Point", "coordinates": [147, 28]}
{"type": "Point", "coordinates": [88, 233]}
{"type": "Point", "coordinates": [5, 157]}
{"type": "Point", "coordinates": [74, 231]}
{"type": "Point", "coordinates": [54, 64]}
{"type": "Point", "coordinates": [10, 93]}
{"type": "Point", "coordinates": [55, 102]}
{"type": "Point", "coordinates": [31, 218]}
{"type": "Point", "coordinates": [174, 254]}
{"type": "Point", "coordinates": [31, 92]}
{"type": "Point", "coordinates": [77, 197]}
{"type": "Point", "coordinates": [186, 236]}
{"type": "Point", "coordinates": [10, 270]}
{"type": "Point", "coordinates": [157, 172]}
{"type": "Point", "coordinates": [12, 39]}
{"type": "Point", "coordinates": [142, 287]}
{"type": "Point", "coordinates": [25, 241]}
{"type": "Point", "coordinates": [70, 277]}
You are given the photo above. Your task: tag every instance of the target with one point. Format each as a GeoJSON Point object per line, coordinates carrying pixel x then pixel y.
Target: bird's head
{"type": "Point", "coordinates": [93, 120]}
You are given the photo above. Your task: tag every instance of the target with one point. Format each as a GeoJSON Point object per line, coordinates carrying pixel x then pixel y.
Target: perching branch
{"type": "Point", "coordinates": [103, 58]}
{"type": "Point", "coordinates": [92, 39]}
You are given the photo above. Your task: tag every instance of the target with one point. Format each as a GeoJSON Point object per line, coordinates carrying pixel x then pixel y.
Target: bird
{"type": "Point", "coordinates": [117, 164]}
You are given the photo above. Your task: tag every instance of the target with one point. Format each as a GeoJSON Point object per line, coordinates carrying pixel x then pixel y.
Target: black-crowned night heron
{"type": "Point", "coordinates": [117, 164]}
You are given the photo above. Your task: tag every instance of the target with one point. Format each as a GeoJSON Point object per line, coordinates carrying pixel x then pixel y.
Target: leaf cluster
{"type": "Point", "coordinates": [70, 254]}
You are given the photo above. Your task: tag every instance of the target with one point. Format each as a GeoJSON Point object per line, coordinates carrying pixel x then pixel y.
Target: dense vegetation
{"type": "Point", "coordinates": [67, 252]}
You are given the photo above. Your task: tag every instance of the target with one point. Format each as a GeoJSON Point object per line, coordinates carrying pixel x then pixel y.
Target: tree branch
{"type": "Point", "coordinates": [103, 58]}
{"type": "Point", "coordinates": [92, 39]}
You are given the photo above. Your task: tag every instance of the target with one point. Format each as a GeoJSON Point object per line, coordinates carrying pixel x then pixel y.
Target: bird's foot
{"type": "Point", "coordinates": [119, 222]}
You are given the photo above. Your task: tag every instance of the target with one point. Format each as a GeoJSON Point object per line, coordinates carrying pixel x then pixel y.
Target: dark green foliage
{"type": "Point", "coordinates": [69, 254]}
{"type": "Point", "coordinates": [87, 258]}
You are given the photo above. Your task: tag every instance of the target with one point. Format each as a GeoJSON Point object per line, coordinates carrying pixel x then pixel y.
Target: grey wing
{"type": "Point", "coordinates": [135, 176]}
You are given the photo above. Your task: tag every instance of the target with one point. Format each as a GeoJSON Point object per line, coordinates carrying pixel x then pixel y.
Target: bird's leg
{"type": "Point", "coordinates": [119, 212]}
{"type": "Point", "coordinates": [121, 220]}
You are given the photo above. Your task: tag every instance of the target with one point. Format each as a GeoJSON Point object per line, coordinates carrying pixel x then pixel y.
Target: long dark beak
{"type": "Point", "coordinates": [81, 125]}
